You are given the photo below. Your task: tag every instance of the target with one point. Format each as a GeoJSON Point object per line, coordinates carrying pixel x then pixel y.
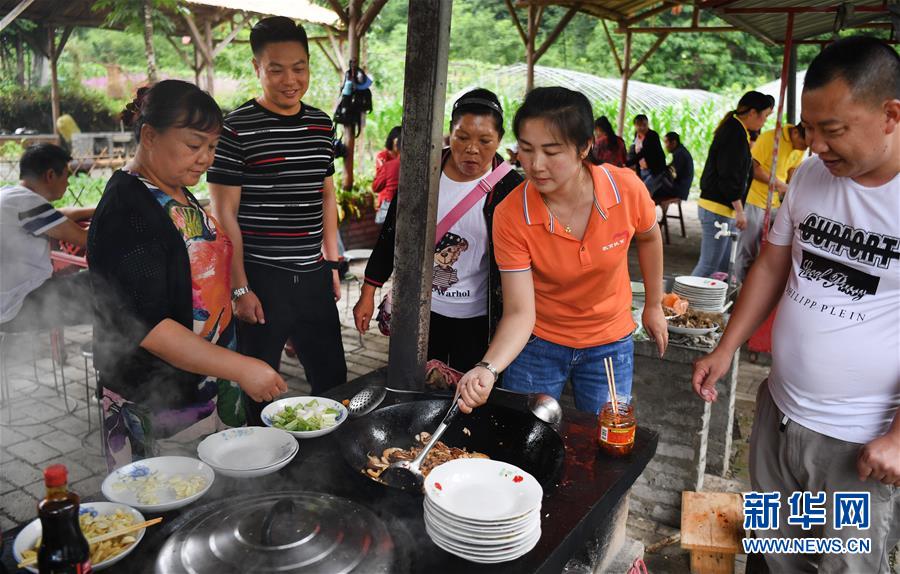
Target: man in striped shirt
{"type": "Point", "coordinates": [30, 298]}
{"type": "Point", "coordinates": [272, 190]}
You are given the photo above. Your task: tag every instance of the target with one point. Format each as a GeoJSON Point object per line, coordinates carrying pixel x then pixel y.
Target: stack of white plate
{"type": "Point", "coordinates": [702, 293]}
{"type": "Point", "coordinates": [249, 451]}
{"type": "Point", "coordinates": [485, 511]}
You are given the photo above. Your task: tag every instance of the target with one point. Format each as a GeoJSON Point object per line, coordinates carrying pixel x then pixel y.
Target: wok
{"type": "Point", "coordinates": [501, 432]}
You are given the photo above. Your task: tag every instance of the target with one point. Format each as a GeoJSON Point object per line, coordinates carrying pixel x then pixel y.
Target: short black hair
{"type": "Point", "coordinates": [800, 130]}
{"type": "Point", "coordinates": [640, 118]}
{"type": "Point", "coordinates": [479, 102]}
{"type": "Point", "coordinates": [673, 136]}
{"type": "Point", "coordinates": [172, 104]}
{"type": "Point", "coordinates": [393, 136]}
{"type": "Point", "coordinates": [870, 67]}
{"type": "Point", "coordinates": [754, 100]}
{"type": "Point", "coordinates": [277, 29]}
{"type": "Point", "coordinates": [568, 113]}
{"type": "Point", "coordinates": [38, 158]}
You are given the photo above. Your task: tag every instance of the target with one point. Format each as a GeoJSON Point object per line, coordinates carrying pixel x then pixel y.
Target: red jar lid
{"type": "Point", "coordinates": [56, 475]}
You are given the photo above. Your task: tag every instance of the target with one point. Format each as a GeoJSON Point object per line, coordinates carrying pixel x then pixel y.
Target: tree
{"type": "Point", "coordinates": [140, 16]}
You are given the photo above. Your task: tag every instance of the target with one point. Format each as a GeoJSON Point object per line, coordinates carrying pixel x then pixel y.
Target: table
{"type": "Point", "coordinates": [589, 488]}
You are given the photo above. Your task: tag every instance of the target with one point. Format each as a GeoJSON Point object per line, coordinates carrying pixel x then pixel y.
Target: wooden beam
{"type": "Point", "coordinates": [668, 29]}
{"type": "Point", "coordinates": [369, 16]}
{"type": "Point", "coordinates": [210, 62]}
{"type": "Point", "coordinates": [235, 30]}
{"type": "Point", "coordinates": [612, 48]}
{"type": "Point", "coordinates": [320, 43]}
{"type": "Point", "coordinates": [623, 100]}
{"type": "Point", "coordinates": [554, 34]}
{"type": "Point", "coordinates": [199, 43]}
{"type": "Point", "coordinates": [648, 53]}
{"type": "Point", "coordinates": [67, 31]}
{"type": "Point", "coordinates": [54, 79]}
{"type": "Point", "coordinates": [516, 21]}
{"type": "Point", "coordinates": [180, 51]}
{"type": "Point", "coordinates": [529, 49]}
{"type": "Point", "coordinates": [338, 50]}
{"type": "Point", "coordinates": [14, 13]}
{"type": "Point", "coordinates": [537, 22]}
{"type": "Point", "coordinates": [355, 9]}
{"type": "Point", "coordinates": [649, 13]}
{"type": "Point", "coordinates": [340, 11]}
{"type": "Point", "coordinates": [424, 89]}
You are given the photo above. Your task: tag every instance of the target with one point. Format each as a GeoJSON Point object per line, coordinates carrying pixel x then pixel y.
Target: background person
{"type": "Point", "coordinates": [272, 188]}
{"type": "Point", "coordinates": [465, 297]}
{"type": "Point", "coordinates": [31, 298]}
{"type": "Point", "coordinates": [607, 146]}
{"type": "Point", "coordinates": [683, 164]}
{"type": "Point", "coordinates": [562, 242]}
{"type": "Point", "coordinates": [828, 417]}
{"type": "Point", "coordinates": [164, 337]}
{"type": "Point", "coordinates": [646, 153]}
{"type": "Point", "coordinates": [725, 178]}
{"type": "Point", "coordinates": [387, 174]}
{"type": "Point", "coordinates": [790, 153]}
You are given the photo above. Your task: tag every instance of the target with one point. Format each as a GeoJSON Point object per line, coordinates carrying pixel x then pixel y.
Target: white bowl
{"type": "Point", "coordinates": [28, 536]}
{"type": "Point", "coordinates": [483, 490]}
{"type": "Point", "coordinates": [279, 405]}
{"type": "Point", "coordinates": [249, 451]}
{"type": "Point", "coordinates": [122, 485]}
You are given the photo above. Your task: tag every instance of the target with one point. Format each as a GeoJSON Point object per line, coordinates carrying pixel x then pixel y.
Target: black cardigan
{"type": "Point", "coordinates": [728, 170]}
{"type": "Point", "coordinates": [651, 152]}
{"type": "Point", "coordinates": [140, 274]}
{"type": "Point", "coordinates": [381, 262]}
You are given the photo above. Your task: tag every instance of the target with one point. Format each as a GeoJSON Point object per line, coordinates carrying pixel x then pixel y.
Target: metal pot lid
{"type": "Point", "coordinates": [292, 531]}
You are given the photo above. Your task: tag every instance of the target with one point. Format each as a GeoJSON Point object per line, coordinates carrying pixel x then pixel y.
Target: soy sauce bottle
{"type": "Point", "coordinates": [64, 549]}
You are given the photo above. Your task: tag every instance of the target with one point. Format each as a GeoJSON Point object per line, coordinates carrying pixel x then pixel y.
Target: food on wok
{"type": "Point", "coordinates": [439, 454]}
{"type": "Point", "coordinates": [94, 525]}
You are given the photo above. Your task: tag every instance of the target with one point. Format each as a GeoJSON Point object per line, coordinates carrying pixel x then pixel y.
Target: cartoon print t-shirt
{"type": "Point", "coordinates": [836, 365]}
{"type": "Point", "coordinates": [460, 285]}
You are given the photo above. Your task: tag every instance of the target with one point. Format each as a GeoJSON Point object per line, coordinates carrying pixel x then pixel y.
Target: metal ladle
{"type": "Point", "coordinates": [407, 475]}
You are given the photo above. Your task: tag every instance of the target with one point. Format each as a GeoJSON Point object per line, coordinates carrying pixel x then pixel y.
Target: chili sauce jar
{"type": "Point", "coordinates": [615, 432]}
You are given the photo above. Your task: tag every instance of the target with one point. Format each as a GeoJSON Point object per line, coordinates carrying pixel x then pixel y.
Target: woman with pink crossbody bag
{"type": "Point", "coordinates": [465, 303]}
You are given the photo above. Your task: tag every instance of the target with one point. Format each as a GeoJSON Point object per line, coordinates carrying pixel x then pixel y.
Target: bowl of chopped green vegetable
{"type": "Point", "coordinates": [305, 417]}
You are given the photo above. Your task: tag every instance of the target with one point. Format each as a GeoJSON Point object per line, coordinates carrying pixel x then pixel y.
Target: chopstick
{"type": "Point", "coordinates": [611, 381]}
{"type": "Point", "coordinates": [104, 537]}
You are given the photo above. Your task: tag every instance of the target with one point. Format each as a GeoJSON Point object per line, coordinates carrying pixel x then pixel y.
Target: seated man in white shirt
{"type": "Point", "coordinates": [825, 444]}
{"type": "Point", "coordinates": [30, 297]}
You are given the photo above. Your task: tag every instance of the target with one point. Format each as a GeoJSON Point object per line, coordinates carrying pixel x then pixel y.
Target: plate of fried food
{"type": "Point", "coordinates": [693, 322]}
{"type": "Point", "coordinates": [96, 519]}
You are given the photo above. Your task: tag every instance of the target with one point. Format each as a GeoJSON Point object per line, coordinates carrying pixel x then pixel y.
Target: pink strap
{"type": "Point", "coordinates": [482, 188]}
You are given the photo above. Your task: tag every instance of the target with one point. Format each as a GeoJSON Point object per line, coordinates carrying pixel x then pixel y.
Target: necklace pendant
{"type": "Point", "coordinates": [568, 229]}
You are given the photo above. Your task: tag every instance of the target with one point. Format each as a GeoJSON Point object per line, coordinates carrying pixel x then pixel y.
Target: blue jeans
{"type": "Point", "coordinates": [715, 254]}
{"type": "Point", "coordinates": [544, 367]}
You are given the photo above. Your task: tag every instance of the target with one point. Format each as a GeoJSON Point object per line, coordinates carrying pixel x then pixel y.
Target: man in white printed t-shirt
{"type": "Point", "coordinates": [29, 297]}
{"type": "Point", "coordinates": [828, 417]}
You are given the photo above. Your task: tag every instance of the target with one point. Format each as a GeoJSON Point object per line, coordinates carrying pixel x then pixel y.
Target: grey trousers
{"type": "Point", "coordinates": [797, 459]}
{"type": "Point", "coordinates": [751, 237]}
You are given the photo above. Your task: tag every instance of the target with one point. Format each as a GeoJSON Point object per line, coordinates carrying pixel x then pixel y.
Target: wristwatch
{"type": "Point", "coordinates": [240, 291]}
{"type": "Point", "coordinates": [489, 367]}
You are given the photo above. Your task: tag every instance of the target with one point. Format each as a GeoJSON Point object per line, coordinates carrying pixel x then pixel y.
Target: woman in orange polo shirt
{"type": "Point", "coordinates": [561, 242]}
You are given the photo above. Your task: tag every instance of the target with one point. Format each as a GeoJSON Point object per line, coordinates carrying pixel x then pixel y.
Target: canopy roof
{"type": "Point", "coordinates": [768, 19]}
{"type": "Point", "coordinates": [81, 13]}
